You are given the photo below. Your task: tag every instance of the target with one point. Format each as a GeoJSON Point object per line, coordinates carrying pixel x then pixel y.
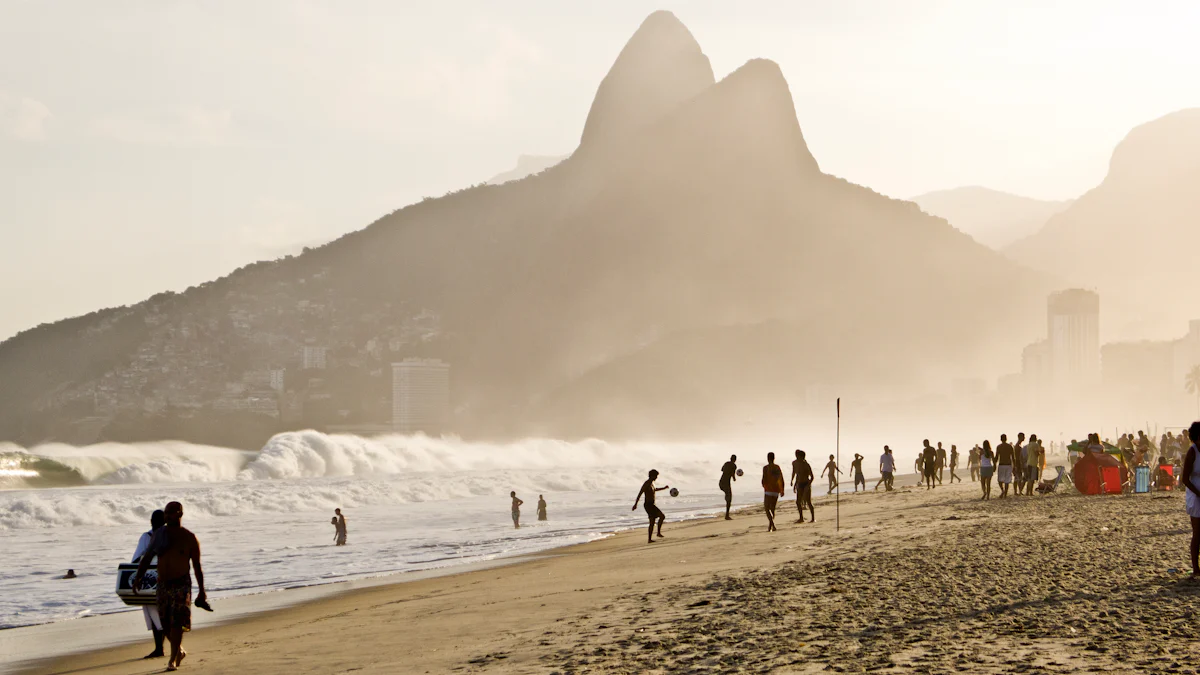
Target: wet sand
{"type": "Point", "coordinates": [915, 581]}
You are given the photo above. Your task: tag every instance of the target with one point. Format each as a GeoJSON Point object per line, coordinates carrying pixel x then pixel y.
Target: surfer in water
{"type": "Point", "coordinates": [178, 551]}
{"type": "Point", "coordinates": [802, 480]}
{"type": "Point", "coordinates": [541, 508]}
{"type": "Point", "coordinates": [516, 509]}
{"type": "Point", "coordinates": [150, 612]}
{"type": "Point", "coordinates": [652, 511]}
{"type": "Point", "coordinates": [728, 473]}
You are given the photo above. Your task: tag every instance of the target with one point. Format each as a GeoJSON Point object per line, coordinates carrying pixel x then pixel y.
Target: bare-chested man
{"type": "Point", "coordinates": [772, 482]}
{"type": "Point", "coordinates": [652, 511]}
{"type": "Point", "coordinates": [177, 549]}
{"type": "Point", "coordinates": [802, 480]}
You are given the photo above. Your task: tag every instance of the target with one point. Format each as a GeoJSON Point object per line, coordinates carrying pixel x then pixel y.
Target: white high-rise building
{"type": "Point", "coordinates": [1073, 330]}
{"type": "Point", "coordinates": [420, 395]}
{"type": "Point", "coordinates": [314, 358]}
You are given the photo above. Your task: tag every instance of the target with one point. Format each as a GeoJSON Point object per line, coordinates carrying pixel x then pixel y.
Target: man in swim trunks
{"type": "Point", "coordinates": [1019, 465]}
{"type": "Point", "coordinates": [1033, 463]}
{"type": "Point", "coordinates": [176, 548]}
{"type": "Point", "coordinates": [833, 470]}
{"type": "Point", "coordinates": [802, 480]}
{"type": "Point", "coordinates": [887, 467]}
{"type": "Point", "coordinates": [954, 464]}
{"type": "Point", "coordinates": [652, 511]}
{"type": "Point", "coordinates": [941, 463]}
{"type": "Point", "coordinates": [1004, 465]}
{"type": "Point", "coordinates": [728, 473]}
{"type": "Point", "coordinates": [772, 482]}
{"type": "Point", "coordinates": [928, 465]}
{"type": "Point", "coordinates": [857, 472]}
{"type": "Point", "coordinates": [516, 509]}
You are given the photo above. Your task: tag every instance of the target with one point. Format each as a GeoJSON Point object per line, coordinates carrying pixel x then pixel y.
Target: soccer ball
{"type": "Point", "coordinates": [741, 473]}
{"type": "Point", "coordinates": [674, 492]}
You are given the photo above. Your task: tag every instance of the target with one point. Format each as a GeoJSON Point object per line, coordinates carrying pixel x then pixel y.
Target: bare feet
{"type": "Point", "coordinates": [728, 518]}
{"type": "Point", "coordinates": [154, 655]}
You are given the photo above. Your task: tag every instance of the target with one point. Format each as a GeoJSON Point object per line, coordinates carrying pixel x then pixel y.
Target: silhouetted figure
{"type": "Point", "coordinates": [652, 511]}
{"type": "Point", "coordinates": [541, 508]}
{"type": "Point", "coordinates": [802, 480]}
{"type": "Point", "coordinates": [887, 469]}
{"type": "Point", "coordinates": [150, 612]}
{"type": "Point", "coordinates": [340, 537]}
{"type": "Point", "coordinates": [728, 474]}
{"type": "Point", "coordinates": [833, 470]}
{"type": "Point", "coordinates": [516, 509]}
{"type": "Point", "coordinates": [987, 467]}
{"type": "Point", "coordinates": [1033, 463]}
{"type": "Point", "coordinates": [1191, 482]}
{"type": "Point", "coordinates": [1004, 465]}
{"type": "Point", "coordinates": [929, 465]}
{"type": "Point", "coordinates": [772, 482]}
{"type": "Point", "coordinates": [941, 463]}
{"type": "Point", "coordinates": [1019, 464]}
{"type": "Point", "coordinates": [69, 575]}
{"type": "Point", "coordinates": [973, 463]}
{"type": "Point", "coordinates": [178, 550]}
{"type": "Point", "coordinates": [857, 471]}
{"type": "Point", "coordinates": [954, 464]}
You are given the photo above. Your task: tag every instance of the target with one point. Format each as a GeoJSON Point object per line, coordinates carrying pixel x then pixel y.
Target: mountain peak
{"type": "Point", "coordinates": [661, 67]}
{"type": "Point", "coordinates": [1160, 153]}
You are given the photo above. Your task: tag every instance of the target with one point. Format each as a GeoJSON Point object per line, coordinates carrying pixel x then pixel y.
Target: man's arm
{"type": "Point", "coordinates": [665, 487]}
{"type": "Point", "coordinates": [639, 498]}
{"type": "Point", "coordinates": [196, 566]}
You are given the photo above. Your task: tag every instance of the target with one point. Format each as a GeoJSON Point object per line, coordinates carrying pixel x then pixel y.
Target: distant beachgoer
{"type": "Point", "coordinates": [772, 482]}
{"type": "Point", "coordinates": [337, 531]}
{"type": "Point", "coordinates": [541, 508]}
{"type": "Point", "coordinates": [177, 549]}
{"type": "Point", "coordinates": [69, 575]}
{"type": "Point", "coordinates": [728, 474]}
{"type": "Point", "coordinates": [928, 465]}
{"type": "Point", "coordinates": [973, 463]}
{"type": "Point", "coordinates": [341, 527]}
{"type": "Point", "coordinates": [1033, 463]}
{"type": "Point", "coordinates": [802, 480]}
{"type": "Point", "coordinates": [1191, 481]}
{"type": "Point", "coordinates": [887, 468]}
{"type": "Point", "coordinates": [987, 466]}
{"type": "Point", "coordinates": [516, 509]}
{"type": "Point", "coordinates": [833, 470]}
{"type": "Point", "coordinates": [150, 612]}
{"type": "Point", "coordinates": [1019, 464]}
{"type": "Point", "coordinates": [1073, 453]}
{"type": "Point", "coordinates": [652, 511]}
{"type": "Point", "coordinates": [1004, 465]}
{"type": "Point", "coordinates": [954, 464]}
{"type": "Point", "coordinates": [941, 463]}
{"type": "Point", "coordinates": [857, 472]}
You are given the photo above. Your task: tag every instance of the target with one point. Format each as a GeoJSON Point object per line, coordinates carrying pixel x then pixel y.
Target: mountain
{"type": "Point", "coordinates": [688, 262]}
{"type": "Point", "coordinates": [527, 165]}
{"type": "Point", "coordinates": [1132, 236]}
{"type": "Point", "coordinates": [993, 218]}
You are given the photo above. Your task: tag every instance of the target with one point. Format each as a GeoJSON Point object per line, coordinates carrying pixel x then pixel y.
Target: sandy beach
{"type": "Point", "coordinates": [915, 581]}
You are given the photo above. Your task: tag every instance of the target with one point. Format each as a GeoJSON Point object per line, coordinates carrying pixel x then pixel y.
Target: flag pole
{"type": "Point", "coordinates": [837, 490]}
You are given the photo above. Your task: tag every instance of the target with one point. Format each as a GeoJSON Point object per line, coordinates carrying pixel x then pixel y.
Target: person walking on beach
{"type": "Point", "coordinates": [928, 465]}
{"type": "Point", "coordinates": [150, 612]}
{"type": "Point", "coordinates": [340, 537]}
{"type": "Point", "coordinates": [1004, 465]}
{"type": "Point", "coordinates": [516, 509]}
{"type": "Point", "coordinates": [973, 463]}
{"type": "Point", "coordinates": [652, 511]}
{"type": "Point", "coordinates": [887, 468]}
{"type": "Point", "coordinates": [987, 464]}
{"type": "Point", "coordinates": [1033, 463]}
{"type": "Point", "coordinates": [833, 470]}
{"type": "Point", "coordinates": [178, 552]}
{"type": "Point", "coordinates": [802, 480]}
{"type": "Point", "coordinates": [1190, 479]}
{"type": "Point", "coordinates": [728, 474]}
{"type": "Point", "coordinates": [772, 482]}
{"type": "Point", "coordinates": [857, 472]}
{"type": "Point", "coordinates": [541, 508]}
{"type": "Point", "coordinates": [954, 464]}
{"type": "Point", "coordinates": [941, 462]}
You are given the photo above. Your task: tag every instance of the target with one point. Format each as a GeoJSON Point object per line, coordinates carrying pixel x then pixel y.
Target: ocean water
{"type": "Point", "coordinates": [411, 503]}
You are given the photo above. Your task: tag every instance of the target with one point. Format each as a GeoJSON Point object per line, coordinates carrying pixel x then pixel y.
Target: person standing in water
{"type": "Point", "coordinates": [178, 552]}
{"type": "Point", "coordinates": [954, 464]}
{"type": "Point", "coordinates": [150, 612]}
{"type": "Point", "coordinates": [516, 509]}
{"type": "Point", "coordinates": [728, 474]}
{"type": "Point", "coordinates": [772, 482]}
{"type": "Point", "coordinates": [652, 511]}
{"type": "Point", "coordinates": [542, 508]}
{"type": "Point", "coordinates": [802, 480]}
{"type": "Point", "coordinates": [341, 527]}
{"type": "Point", "coordinates": [833, 470]}
{"type": "Point", "coordinates": [856, 472]}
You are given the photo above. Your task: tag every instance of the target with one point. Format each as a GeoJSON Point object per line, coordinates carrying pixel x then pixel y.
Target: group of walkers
{"type": "Point", "coordinates": [1018, 466]}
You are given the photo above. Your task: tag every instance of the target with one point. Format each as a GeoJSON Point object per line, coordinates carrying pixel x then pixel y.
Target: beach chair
{"type": "Point", "coordinates": [1165, 478]}
{"type": "Point", "coordinates": [1049, 486]}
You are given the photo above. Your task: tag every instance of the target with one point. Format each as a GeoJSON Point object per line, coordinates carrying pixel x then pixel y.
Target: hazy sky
{"type": "Point", "coordinates": [157, 144]}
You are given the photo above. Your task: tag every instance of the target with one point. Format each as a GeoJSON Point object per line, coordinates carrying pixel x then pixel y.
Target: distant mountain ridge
{"type": "Point", "coordinates": [690, 259]}
{"type": "Point", "coordinates": [527, 165]}
{"type": "Point", "coordinates": [995, 219]}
